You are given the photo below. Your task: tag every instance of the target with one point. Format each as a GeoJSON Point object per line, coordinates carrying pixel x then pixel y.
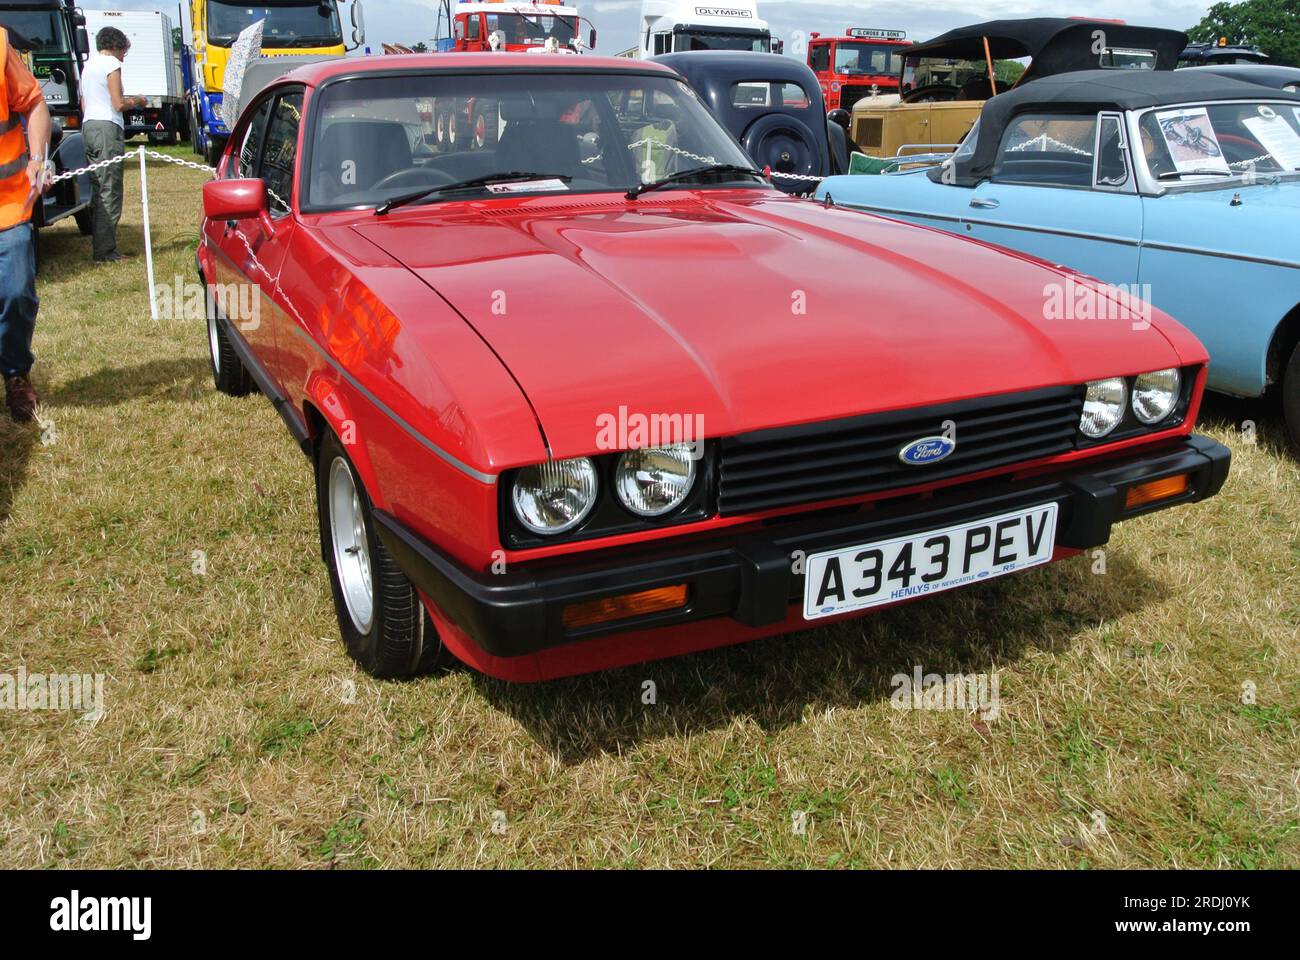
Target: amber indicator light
{"type": "Point", "coordinates": [1145, 493]}
{"type": "Point", "coordinates": [621, 607]}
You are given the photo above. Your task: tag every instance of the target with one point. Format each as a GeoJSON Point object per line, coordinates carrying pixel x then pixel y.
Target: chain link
{"type": "Point", "coordinates": [133, 154]}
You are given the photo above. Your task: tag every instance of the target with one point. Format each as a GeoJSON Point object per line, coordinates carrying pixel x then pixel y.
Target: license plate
{"type": "Point", "coordinates": [136, 119]}
{"type": "Point", "coordinates": [855, 578]}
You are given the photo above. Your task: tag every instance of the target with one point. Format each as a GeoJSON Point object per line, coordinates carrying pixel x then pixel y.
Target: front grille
{"type": "Point", "coordinates": [814, 462]}
{"type": "Point", "coordinates": [871, 133]}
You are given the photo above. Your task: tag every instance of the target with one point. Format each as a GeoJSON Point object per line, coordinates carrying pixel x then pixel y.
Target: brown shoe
{"type": "Point", "coordinates": [21, 397]}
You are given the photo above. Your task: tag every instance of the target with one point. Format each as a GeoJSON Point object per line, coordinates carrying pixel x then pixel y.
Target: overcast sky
{"type": "Point", "coordinates": [409, 21]}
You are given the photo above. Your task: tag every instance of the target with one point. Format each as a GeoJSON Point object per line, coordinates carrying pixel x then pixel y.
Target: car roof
{"type": "Point", "coordinates": [317, 73]}
{"type": "Point", "coordinates": [1066, 40]}
{"type": "Point", "coordinates": [730, 66]}
{"type": "Point", "coordinates": [1091, 91]}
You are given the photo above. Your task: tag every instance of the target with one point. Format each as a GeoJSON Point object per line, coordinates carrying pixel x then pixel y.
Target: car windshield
{"type": "Point", "coordinates": [721, 40]}
{"type": "Point", "coordinates": [1221, 141]}
{"type": "Point", "coordinates": [379, 138]}
{"type": "Point", "coordinates": [921, 72]}
{"type": "Point", "coordinates": [43, 29]}
{"type": "Point", "coordinates": [306, 25]}
{"type": "Point", "coordinates": [866, 58]}
{"type": "Point", "coordinates": [530, 30]}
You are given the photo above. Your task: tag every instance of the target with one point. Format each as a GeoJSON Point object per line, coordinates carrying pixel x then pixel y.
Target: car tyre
{"type": "Point", "coordinates": [85, 220]}
{"type": "Point", "coordinates": [383, 622]}
{"type": "Point", "coordinates": [228, 371]}
{"type": "Point", "coordinates": [1291, 396]}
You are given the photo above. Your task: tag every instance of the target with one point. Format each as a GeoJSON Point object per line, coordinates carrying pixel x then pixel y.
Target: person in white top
{"type": "Point", "coordinates": [102, 103]}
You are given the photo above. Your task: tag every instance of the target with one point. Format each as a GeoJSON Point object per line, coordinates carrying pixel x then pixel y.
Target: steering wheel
{"type": "Point", "coordinates": [930, 93]}
{"type": "Point", "coordinates": [1245, 149]}
{"type": "Point", "coordinates": [419, 177]}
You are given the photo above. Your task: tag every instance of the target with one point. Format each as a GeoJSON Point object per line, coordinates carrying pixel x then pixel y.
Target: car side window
{"type": "Point", "coordinates": [1112, 157]}
{"type": "Point", "coordinates": [251, 149]}
{"type": "Point", "coordinates": [820, 58]}
{"type": "Point", "coordinates": [281, 151]}
{"type": "Point", "coordinates": [1047, 150]}
{"type": "Point", "coordinates": [763, 93]}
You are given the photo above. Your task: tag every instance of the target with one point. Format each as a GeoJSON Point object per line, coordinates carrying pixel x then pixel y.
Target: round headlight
{"type": "Point", "coordinates": [1103, 407]}
{"type": "Point", "coordinates": [1156, 394]}
{"type": "Point", "coordinates": [555, 496]}
{"type": "Point", "coordinates": [652, 481]}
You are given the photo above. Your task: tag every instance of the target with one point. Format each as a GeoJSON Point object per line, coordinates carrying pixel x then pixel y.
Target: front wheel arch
{"type": "Point", "coordinates": [1283, 343]}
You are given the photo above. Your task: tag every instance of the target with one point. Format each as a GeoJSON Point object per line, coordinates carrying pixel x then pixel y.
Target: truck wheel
{"type": "Point", "coordinates": [85, 220]}
{"type": "Point", "coordinates": [1291, 396]}
{"type": "Point", "coordinates": [228, 372]}
{"type": "Point", "coordinates": [383, 623]}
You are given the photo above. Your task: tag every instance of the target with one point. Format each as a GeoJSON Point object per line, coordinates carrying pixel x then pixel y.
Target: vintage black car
{"type": "Point", "coordinates": [773, 106]}
{"type": "Point", "coordinates": [1220, 54]}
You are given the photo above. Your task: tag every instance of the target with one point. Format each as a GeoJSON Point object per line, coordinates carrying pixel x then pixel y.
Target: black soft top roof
{"type": "Point", "coordinates": [1091, 91]}
{"type": "Point", "coordinates": [1056, 44]}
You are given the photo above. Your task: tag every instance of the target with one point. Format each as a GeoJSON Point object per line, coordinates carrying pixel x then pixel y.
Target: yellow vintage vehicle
{"type": "Point", "coordinates": [945, 81]}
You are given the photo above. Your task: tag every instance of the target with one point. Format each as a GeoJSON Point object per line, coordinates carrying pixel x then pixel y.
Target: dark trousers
{"type": "Point", "coordinates": [18, 301]}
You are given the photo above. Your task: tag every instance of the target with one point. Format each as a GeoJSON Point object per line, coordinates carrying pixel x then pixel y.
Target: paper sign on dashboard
{"type": "Point", "coordinates": [1191, 140]}
{"type": "Point", "coordinates": [1278, 137]}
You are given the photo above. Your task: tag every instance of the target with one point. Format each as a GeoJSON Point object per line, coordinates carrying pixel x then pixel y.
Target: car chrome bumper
{"type": "Point", "coordinates": [748, 575]}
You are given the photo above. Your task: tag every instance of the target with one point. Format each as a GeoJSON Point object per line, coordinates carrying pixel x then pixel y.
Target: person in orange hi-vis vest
{"type": "Point", "coordinates": [25, 174]}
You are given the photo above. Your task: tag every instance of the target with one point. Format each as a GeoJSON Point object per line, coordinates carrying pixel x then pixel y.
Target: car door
{"type": "Point", "coordinates": [270, 245]}
{"type": "Point", "coordinates": [1063, 188]}
{"type": "Point", "coordinates": [253, 252]}
{"type": "Point", "coordinates": [234, 285]}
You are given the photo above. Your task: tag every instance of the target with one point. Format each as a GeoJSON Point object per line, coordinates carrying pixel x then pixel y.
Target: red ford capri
{"type": "Point", "coordinates": [585, 390]}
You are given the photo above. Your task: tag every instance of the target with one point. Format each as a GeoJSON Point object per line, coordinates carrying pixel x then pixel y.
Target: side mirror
{"type": "Point", "coordinates": [237, 200]}
{"type": "Point", "coordinates": [83, 42]}
{"type": "Point", "coordinates": [591, 39]}
{"type": "Point", "coordinates": [78, 17]}
{"type": "Point", "coordinates": [840, 117]}
{"type": "Point", "coordinates": [358, 23]}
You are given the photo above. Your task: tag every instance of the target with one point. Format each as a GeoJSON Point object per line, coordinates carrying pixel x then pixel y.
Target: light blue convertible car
{"type": "Point", "coordinates": [1182, 187]}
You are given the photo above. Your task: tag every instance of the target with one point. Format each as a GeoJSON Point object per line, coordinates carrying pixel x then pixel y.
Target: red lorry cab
{"type": "Point", "coordinates": [524, 27]}
{"type": "Point", "coordinates": [848, 67]}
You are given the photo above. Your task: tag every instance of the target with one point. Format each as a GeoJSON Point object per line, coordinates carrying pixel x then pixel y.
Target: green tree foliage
{"type": "Point", "coordinates": [1273, 25]}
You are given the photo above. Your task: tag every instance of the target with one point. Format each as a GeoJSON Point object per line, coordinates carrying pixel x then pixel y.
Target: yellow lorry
{"type": "Point", "coordinates": [292, 28]}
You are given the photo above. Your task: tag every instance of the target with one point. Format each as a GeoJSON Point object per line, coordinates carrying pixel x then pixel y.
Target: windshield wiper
{"type": "Point", "coordinates": [690, 174]}
{"type": "Point", "coordinates": [510, 176]}
{"type": "Point", "coordinates": [1198, 172]}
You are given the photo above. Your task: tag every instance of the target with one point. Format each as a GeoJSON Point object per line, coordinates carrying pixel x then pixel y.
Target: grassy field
{"type": "Point", "coordinates": [236, 732]}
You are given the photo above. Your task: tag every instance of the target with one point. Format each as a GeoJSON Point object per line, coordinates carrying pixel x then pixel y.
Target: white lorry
{"type": "Point", "coordinates": [150, 70]}
{"type": "Point", "coordinates": [671, 26]}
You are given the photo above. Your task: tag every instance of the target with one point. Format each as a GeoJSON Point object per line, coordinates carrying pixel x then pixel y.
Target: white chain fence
{"type": "Point", "coordinates": [129, 155]}
{"type": "Point", "coordinates": [140, 153]}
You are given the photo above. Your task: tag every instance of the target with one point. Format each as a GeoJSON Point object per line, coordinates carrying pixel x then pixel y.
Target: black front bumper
{"type": "Point", "coordinates": [749, 576]}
